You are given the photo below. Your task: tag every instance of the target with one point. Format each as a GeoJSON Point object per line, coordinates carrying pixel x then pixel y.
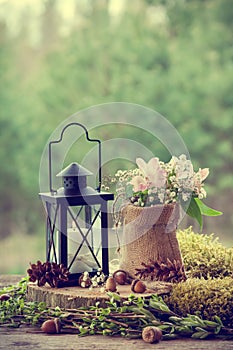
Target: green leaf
{"type": "Point", "coordinates": [205, 210]}
{"type": "Point", "coordinates": [218, 329]}
{"type": "Point", "coordinates": [159, 307]}
{"type": "Point", "coordinates": [195, 212]}
{"type": "Point", "coordinates": [145, 312]}
{"type": "Point", "coordinates": [200, 335]}
{"type": "Point", "coordinates": [175, 319]}
{"type": "Point", "coordinates": [211, 324]}
{"type": "Point", "coordinates": [218, 320]}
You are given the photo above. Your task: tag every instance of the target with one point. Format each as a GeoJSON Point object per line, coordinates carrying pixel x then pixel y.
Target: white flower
{"type": "Point", "coordinates": [184, 173]}
{"type": "Point", "coordinates": [172, 178]}
{"type": "Point", "coordinates": [161, 197]}
{"type": "Point", "coordinates": [151, 199]}
{"type": "Point", "coordinates": [185, 196]}
{"type": "Point", "coordinates": [182, 157]}
{"type": "Point", "coordinates": [119, 173]}
{"type": "Point", "coordinates": [202, 193]}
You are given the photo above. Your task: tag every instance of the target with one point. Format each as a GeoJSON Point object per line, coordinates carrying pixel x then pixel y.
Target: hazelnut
{"type": "Point", "coordinates": [151, 334]}
{"type": "Point", "coordinates": [84, 281]}
{"type": "Point", "coordinates": [121, 277]}
{"type": "Point", "coordinates": [51, 326]}
{"type": "Point", "coordinates": [110, 285]}
{"type": "Point", "coordinates": [138, 286]}
{"type": "Point", "coordinates": [4, 297]}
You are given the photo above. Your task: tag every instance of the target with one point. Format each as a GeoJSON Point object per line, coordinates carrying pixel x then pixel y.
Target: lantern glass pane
{"type": "Point", "coordinates": [84, 239]}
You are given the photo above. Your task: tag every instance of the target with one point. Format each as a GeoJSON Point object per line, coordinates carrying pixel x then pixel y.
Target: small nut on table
{"type": "Point", "coordinates": [110, 285]}
{"type": "Point", "coordinates": [4, 297]}
{"type": "Point", "coordinates": [121, 277]}
{"type": "Point", "coordinates": [138, 286]}
{"type": "Point", "coordinates": [52, 326]}
{"type": "Point", "coordinates": [151, 334]}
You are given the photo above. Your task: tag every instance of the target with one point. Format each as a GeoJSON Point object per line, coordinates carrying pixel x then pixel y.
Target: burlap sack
{"type": "Point", "coordinates": [149, 233]}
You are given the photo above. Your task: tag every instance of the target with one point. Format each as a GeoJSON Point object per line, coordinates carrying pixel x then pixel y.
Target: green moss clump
{"type": "Point", "coordinates": [204, 256]}
{"type": "Point", "coordinates": [205, 298]}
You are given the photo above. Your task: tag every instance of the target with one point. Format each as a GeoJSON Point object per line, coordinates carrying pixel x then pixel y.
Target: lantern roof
{"type": "Point", "coordinates": [74, 169]}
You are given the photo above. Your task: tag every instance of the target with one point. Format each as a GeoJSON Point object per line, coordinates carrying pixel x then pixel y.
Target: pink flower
{"type": "Point", "coordinates": [199, 177]}
{"type": "Point", "coordinates": [139, 183]}
{"type": "Point", "coordinates": [154, 174]}
{"type": "Point", "coordinates": [204, 173]}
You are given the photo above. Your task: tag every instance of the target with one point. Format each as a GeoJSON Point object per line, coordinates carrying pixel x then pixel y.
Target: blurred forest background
{"type": "Point", "coordinates": [58, 57]}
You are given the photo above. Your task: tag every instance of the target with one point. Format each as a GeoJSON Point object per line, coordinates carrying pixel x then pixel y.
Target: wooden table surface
{"type": "Point", "coordinates": [30, 339]}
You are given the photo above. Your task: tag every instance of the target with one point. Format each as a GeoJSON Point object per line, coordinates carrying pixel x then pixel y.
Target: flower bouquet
{"type": "Point", "coordinates": [154, 195]}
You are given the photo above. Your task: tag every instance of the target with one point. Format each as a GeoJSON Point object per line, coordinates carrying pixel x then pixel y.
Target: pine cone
{"type": "Point", "coordinates": [161, 271]}
{"type": "Point", "coordinates": [48, 272]}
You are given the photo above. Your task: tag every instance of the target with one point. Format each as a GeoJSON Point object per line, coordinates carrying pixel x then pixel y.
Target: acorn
{"type": "Point", "coordinates": [121, 277]}
{"type": "Point", "coordinates": [138, 286]}
{"type": "Point", "coordinates": [151, 334]}
{"type": "Point", "coordinates": [4, 297]}
{"type": "Point", "coordinates": [110, 285]}
{"type": "Point", "coordinates": [52, 326]}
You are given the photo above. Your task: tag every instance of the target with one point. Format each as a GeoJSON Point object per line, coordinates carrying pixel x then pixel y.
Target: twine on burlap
{"type": "Point", "coordinates": [149, 233]}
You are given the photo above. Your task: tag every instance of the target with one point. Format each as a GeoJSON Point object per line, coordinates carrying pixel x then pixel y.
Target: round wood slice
{"type": "Point", "coordinates": [74, 297]}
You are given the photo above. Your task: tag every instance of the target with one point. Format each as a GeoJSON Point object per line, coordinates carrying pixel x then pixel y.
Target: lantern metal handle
{"type": "Point", "coordinates": [60, 139]}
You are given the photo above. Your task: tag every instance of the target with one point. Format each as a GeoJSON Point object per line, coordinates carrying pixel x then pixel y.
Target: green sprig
{"type": "Point", "coordinates": [120, 317]}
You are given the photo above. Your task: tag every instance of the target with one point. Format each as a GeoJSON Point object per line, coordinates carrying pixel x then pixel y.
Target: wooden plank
{"type": "Point", "coordinates": [24, 338]}
{"type": "Point", "coordinates": [7, 280]}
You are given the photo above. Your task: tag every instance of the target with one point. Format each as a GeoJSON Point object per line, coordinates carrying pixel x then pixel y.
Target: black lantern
{"type": "Point", "coordinates": [77, 218]}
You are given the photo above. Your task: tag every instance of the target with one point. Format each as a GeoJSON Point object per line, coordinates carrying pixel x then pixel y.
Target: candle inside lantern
{"type": "Point", "coordinates": [84, 260]}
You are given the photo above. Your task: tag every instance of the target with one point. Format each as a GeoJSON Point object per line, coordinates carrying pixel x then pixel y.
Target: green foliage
{"type": "Point", "coordinates": [194, 211]}
{"type": "Point", "coordinates": [197, 208]}
{"type": "Point", "coordinates": [121, 317]}
{"type": "Point", "coordinates": [205, 298]}
{"type": "Point", "coordinates": [172, 56]}
{"type": "Point", "coordinates": [204, 256]}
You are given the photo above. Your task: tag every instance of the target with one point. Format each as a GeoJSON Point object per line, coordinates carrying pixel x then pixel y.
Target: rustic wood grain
{"type": "Point", "coordinates": [7, 280]}
{"type": "Point", "coordinates": [30, 338]}
{"type": "Point", "coordinates": [25, 339]}
{"type": "Point", "coordinates": [74, 297]}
